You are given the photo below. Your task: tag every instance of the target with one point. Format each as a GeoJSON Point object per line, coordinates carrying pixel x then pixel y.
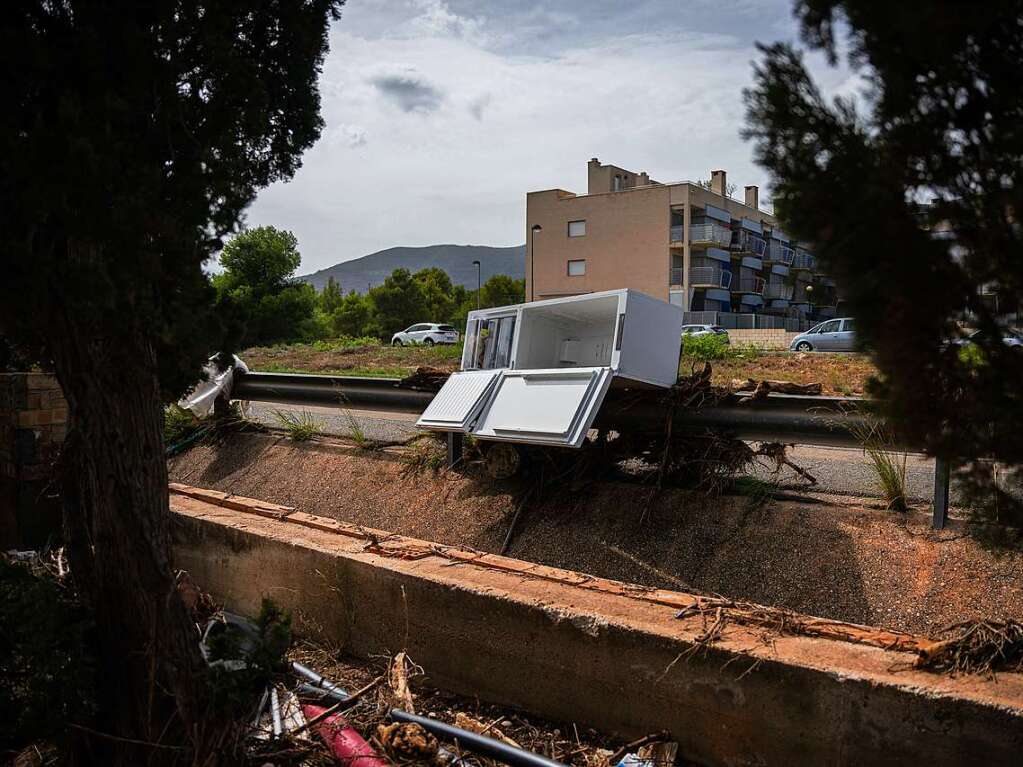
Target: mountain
{"type": "Point", "coordinates": [456, 260]}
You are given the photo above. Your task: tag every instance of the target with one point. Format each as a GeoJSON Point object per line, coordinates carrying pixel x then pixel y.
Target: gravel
{"type": "Point", "coordinates": [833, 560]}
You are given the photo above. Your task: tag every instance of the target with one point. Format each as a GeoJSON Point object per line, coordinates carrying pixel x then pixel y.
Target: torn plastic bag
{"type": "Point", "coordinates": [218, 382]}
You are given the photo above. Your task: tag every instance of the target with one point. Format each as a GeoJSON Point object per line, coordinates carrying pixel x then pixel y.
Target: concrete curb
{"type": "Point", "coordinates": [598, 653]}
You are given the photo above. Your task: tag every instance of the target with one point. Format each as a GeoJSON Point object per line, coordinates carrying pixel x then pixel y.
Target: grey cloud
{"type": "Point", "coordinates": [409, 93]}
{"type": "Point", "coordinates": [478, 105]}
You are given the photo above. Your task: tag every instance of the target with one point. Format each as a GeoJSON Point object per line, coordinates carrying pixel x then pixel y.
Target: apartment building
{"type": "Point", "coordinates": [722, 260]}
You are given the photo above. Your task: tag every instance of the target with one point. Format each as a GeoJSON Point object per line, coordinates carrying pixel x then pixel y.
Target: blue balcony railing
{"type": "Point", "coordinates": [747, 242]}
{"type": "Point", "coordinates": [779, 253]}
{"type": "Point", "coordinates": [711, 233]}
{"type": "Point", "coordinates": [709, 277]}
{"type": "Point", "coordinates": [804, 260]}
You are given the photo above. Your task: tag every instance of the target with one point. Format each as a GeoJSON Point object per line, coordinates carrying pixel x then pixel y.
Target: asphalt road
{"type": "Point", "coordinates": [840, 471]}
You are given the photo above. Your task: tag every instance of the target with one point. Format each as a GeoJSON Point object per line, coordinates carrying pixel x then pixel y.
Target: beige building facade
{"type": "Point", "coordinates": [680, 242]}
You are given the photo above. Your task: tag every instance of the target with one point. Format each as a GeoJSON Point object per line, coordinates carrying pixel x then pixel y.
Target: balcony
{"type": "Point", "coordinates": [710, 234]}
{"type": "Point", "coordinates": [747, 242]}
{"type": "Point", "coordinates": [676, 275]}
{"type": "Point", "coordinates": [804, 261]}
{"type": "Point", "coordinates": [709, 277]}
{"type": "Point", "coordinates": [678, 235]}
{"type": "Point", "coordinates": [779, 253]}
{"type": "Point", "coordinates": [753, 285]}
{"type": "Point", "coordinates": [775, 291]}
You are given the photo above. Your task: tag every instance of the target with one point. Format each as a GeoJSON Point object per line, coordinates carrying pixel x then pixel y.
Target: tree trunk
{"type": "Point", "coordinates": [117, 525]}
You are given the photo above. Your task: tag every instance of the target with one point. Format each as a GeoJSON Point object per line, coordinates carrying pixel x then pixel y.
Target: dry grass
{"type": "Point", "coordinates": [839, 374]}
{"type": "Point", "coordinates": [369, 360]}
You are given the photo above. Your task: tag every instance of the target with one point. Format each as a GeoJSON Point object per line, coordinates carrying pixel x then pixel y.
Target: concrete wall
{"type": "Point", "coordinates": [33, 424]}
{"type": "Point", "coordinates": [595, 652]}
{"type": "Point", "coordinates": [625, 245]}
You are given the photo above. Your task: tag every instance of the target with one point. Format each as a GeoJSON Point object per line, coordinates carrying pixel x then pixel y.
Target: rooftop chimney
{"type": "Point", "coordinates": [718, 182]}
{"type": "Point", "coordinates": [753, 197]}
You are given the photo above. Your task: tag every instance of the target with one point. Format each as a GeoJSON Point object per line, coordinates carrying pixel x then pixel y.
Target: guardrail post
{"type": "Point", "coordinates": [454, 448]}
{"type": "Point", "coordinates": [942, 474]}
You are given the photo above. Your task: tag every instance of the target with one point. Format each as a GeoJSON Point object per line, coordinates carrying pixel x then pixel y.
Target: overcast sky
{"type": "Point", "coordinates": [441, 114]}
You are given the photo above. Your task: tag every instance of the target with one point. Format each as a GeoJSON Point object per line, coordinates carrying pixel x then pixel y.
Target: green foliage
{"type": "Point", "coordinates": [704, 348]}
{"type": "Point", "coordinates": [258, 279]}
{"type": "Point", "coordinates": [713, 347]}
{"type": "Point", "coordinates": [398, 302]}
{"type": "Point", "coordinates": [178, 424]}
{"type": "Point", "coordinates": [262, 647]}
{"type": "Point", "coordinates": [940, 122]}
{"type": "Point", "coordinates": [300, 425]}
{"type": "Point", "coordinates": [263, 259]}
{"type": "Point", "coordinates": [352, 318]}
{"type": "Point", "coordinates": [331, 297]}
{"type": "Point", "coordinates": [888, 465]}
{"type": "Point", "coordinates": [972, 356]}
{"type": "Point", "coordinates": [47, 670]}
{"type": "Point", "coordinates": [438, 294]}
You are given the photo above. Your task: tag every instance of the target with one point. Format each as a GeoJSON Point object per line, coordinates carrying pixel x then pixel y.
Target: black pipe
{"type": "Point", "coordinates": [342, 391]}
{"type": "Point", "coordinates": [478, 744]}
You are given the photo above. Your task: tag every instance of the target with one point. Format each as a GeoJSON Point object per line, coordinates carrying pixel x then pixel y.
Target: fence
{"type": "Point", "coordinates": [746, 321]}
{"type": "Point", "coordinates": [715, 233]}
{"type": "Point", "coordinates": [712, 276]}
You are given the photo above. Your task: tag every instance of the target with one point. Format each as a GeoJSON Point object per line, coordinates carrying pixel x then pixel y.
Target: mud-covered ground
{"type": "Point", "coordinates": [838, 561]}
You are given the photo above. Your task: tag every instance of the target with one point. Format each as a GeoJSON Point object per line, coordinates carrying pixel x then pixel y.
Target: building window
{"type": "Point", "coordinates": [576, 228]}
{"type": "Point", "coordinates": [577, 268]}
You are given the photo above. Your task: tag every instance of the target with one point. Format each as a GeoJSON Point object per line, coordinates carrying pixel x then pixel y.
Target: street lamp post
{"type": "Point", "coordinates": [479, 283]}
{"type": "Point", "coordinates": [532, 259]}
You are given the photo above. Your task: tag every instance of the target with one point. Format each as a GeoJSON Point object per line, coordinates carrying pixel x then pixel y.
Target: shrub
{"type": "Point", "coordinates": [708, 347]}
{"type": "Point", "coordinates": [46, 666]}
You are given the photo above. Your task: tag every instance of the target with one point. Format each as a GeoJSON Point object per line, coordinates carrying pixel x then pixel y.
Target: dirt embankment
{"type": "Point", "coordinates": [839, 562]}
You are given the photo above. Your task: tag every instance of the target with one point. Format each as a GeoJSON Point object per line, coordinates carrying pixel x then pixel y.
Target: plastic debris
{"type": "Point", "coordinates": [345, 743]}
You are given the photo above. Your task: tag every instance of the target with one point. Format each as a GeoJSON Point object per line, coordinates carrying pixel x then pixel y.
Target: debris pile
{"type": "Point", "coordinates": [370, 715]}
{"type": "Point", "coordinates": [975, 647]}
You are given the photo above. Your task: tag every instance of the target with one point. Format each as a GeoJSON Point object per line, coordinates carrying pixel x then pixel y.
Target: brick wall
{"type": "Point", "coordinates": [764, 338]}
{"type": "Point", "coordinates": [33, 424]}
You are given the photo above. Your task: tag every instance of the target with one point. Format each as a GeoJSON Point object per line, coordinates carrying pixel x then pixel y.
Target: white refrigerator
{"type": "Point", "coordinates": [537, 373]}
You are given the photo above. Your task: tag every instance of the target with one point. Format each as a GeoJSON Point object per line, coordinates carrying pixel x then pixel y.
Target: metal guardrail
{"type": "Point", "coordinates": [824, 421]}
{"type": "Point", "coordinates": [343, 391]}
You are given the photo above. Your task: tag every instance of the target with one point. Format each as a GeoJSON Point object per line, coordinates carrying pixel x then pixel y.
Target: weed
{"type": "Point", "coordinates": [355, 430]}
{"type": "Point", "coordinates": [178, 424]}
{"type": "Point", "coordinates": [713, 347]}
{"type": "Point", "coordinates": [888, 465]}
{"type": "Point", "coordinates": [424, 455]}
{"type": "Point", "coordinates": [301, 425]}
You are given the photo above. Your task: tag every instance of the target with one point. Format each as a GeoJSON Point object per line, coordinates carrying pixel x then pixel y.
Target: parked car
{"type": "Point", "coordinates": [1009, 338]}
{"type": "Point", "coordinates": [838, 335]}
{"type": "Point", "coordinates": [428, 333]}
{"type": "Point", "coordinates": [706, 330]}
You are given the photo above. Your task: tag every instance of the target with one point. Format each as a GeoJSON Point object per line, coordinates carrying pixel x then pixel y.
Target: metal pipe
{"type": "Point", "coordinates": [807, 420]}
{"type": "Point", "coordinates": [319, 681]}
{"type": "Point", "coordinates": [275, 712]}
{"type": "Point", "coordinates": [478, 744]}
{"type": "Point", "coordinates": [342, 391]}
{"type": "Point", "coordinates": [313, 691]}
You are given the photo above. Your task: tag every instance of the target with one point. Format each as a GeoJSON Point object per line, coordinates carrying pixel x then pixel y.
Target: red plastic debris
{"type": "Point", "coordinates": [345, 743]}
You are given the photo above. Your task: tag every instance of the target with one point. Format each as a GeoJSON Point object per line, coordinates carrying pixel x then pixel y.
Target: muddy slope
{"type": "Point", "coordinates": [834, 561]}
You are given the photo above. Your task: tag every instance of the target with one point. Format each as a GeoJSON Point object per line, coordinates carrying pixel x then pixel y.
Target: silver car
{"type": "Point", "coordinates": [706, 330]}
{"type": "Point", "coordinates": [838, 335]}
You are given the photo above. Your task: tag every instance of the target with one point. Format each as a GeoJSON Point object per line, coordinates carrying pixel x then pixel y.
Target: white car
{"type": "Point", "coordinates": [428, 333]}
